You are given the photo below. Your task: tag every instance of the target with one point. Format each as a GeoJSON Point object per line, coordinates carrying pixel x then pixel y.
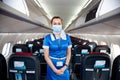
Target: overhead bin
{"type": "Point", "coordinates": [12, 16]}
{"type": "Point", "coordinates": [92, 13]}
{"type": "Point", "coordinates": [101, 8]}
{"type": "Point", "coordinates": [107, 6]}
{"type": "Point", "coordinates": [96, 12]}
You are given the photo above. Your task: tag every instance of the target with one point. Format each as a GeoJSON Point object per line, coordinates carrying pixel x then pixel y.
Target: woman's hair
{"type": "Point", "coordinates": [56, 17]}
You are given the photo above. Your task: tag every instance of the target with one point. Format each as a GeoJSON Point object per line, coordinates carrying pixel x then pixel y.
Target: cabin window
{"type": "Point", "coordinates": [32, 39]}
{"type": "Point", "coordinates": [90, 40]}
{"type": "Point", "coordinates": [116, 50]}
{"type": "Point", "coordinates": [103, 43]}
{"type": "Point", "coordinates": [26, 40]}
{"type": "Point", "coordinates": [19, 42]}
{"type": "Point", "coordinates": [6, 49]}
{"type": "Point", "coordinates": [19, 5]}
{"type": "Point", "coordinates": [95, 41]}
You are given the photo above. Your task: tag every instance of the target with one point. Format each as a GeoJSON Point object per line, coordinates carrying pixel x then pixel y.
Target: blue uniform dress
{"type": "Point", "coordinates": [57, 52]}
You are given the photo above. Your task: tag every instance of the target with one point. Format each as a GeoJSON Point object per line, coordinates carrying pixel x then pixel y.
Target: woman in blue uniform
{"type": "Point", "coordinates": [57, 51]}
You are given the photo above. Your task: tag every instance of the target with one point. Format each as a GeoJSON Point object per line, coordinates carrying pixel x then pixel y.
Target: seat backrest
{"type": "Point", "coordinates": [96, 67]}
{"type": "Point", "coordinates": [102, 48]}
{"type": "Point", "coordinates": [30, 45]}
{"type": "Point", "coordinates": [82, 49]}
{"type": "Point", "coordinates": [92, 45]}
{"type": "Point", "coordinates": [79, 52]}
{"type": "Point", "coordinates": [20, 48]}
{"type": "Point", "coordinates": [39, 50]}
{"type": "Point", "coordinates": [23, 67]}
{"type": "Point", "coordinates": [116, 69]}
{"type": "Point", "coordinates": [19, 64]}
{"type": "Point", "coordinates": [3, 68]}
{"type": "Point", "coordinates": [39, 41]}
{"type": "Point", "coordinates": [84, 42]}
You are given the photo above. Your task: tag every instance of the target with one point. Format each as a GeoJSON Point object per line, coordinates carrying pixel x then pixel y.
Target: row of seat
{"type": "Point", "coordinates": [84, 61]}
{"type": "Point", "coordinates": [91, 61]}
{"type": "Point", "coordinates": [27, 62]}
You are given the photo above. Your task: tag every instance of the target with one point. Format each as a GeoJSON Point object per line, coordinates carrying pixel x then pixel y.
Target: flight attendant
{"type": "Point", "coordinates": [57, 51]}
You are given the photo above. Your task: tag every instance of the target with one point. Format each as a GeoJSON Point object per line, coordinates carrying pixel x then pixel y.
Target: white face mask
{"type": "Point", "coordinates": [57, 28]}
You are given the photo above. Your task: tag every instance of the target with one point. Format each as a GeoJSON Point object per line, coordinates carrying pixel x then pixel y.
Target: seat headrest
{"type": "Point", "coordinates": [39, 41]}
{"type": "Point", "coordinates": [102, 48]}
{"type": "Point", "coordinates": [20, 48]}
{"type": "Point", "coordinates": [30, 44]}
{"type": "Point", "coordinates": [92, 45]}
{"type": "Point", "coordinates": [38, 49]}
{"type": "Point", "coordinates": [82, 49]}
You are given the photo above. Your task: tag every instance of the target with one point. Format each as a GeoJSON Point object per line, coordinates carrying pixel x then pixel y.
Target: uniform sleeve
{"type": "Point", "coordinates": [45, 42]}
{"type": "Point", "coordinates": [69, 41]}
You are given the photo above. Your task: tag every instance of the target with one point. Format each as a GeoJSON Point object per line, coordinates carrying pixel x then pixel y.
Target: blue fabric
{"type": "Point", "coordinates": [18, 76]}
{"type": "Point", "coordinates": [58, 49]}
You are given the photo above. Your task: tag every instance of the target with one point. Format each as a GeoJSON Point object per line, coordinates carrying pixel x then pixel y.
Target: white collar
{"type": "Point", "coordinates": [62, 35]}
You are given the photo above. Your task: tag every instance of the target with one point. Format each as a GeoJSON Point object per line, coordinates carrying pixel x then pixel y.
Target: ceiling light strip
{"type": "Point", "coordinates": [41, 5]}
{"type": "Point", "coordinates": [85, 4]}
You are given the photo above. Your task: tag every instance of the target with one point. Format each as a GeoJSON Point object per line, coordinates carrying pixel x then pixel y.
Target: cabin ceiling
{"type": "Point", "coordinates": [68, 10]}
{"type": "Point", "coordinates": [64, 9]}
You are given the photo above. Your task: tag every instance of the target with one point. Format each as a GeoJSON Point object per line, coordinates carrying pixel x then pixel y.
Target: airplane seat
{"type": "Point", "coordinates": [92, 45]}
{"type": "Point", "coordinates": [73, 51]}
{"type": "Point", "coordinates": [76, 41]}
{"type": "Point", "coordinates": [20, 48]}
{"type": "Point", "coordinates": [79, 53]}
{"type": "Point", "coordinates": [38, 49]}
{"type": "Point", "coordinates": [102, 48]}
{"type": "Point", "coordinates": [85, 42]}
{"type": "Point", "coordinates": [116, 69]}
{"type": "Point", "coordinates": [96, 67]}
{"type": "Point", "coordinates": [3, 68]}
{"type": "Point", "coordinates": [30, 45]}
{"type": "Point", "coordinates": [39, 41]}
{"type": "Point", "coordinates": [23, 65]}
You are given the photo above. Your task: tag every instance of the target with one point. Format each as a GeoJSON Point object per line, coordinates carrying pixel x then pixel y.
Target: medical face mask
{"type": "Point", "coordinates": [57, 28]}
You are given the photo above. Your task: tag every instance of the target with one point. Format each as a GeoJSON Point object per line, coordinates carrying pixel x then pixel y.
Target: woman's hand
{"type": "Point", "coordinates": [63, 69]}
{"type": "Point", "coordinates": [59, 71]}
